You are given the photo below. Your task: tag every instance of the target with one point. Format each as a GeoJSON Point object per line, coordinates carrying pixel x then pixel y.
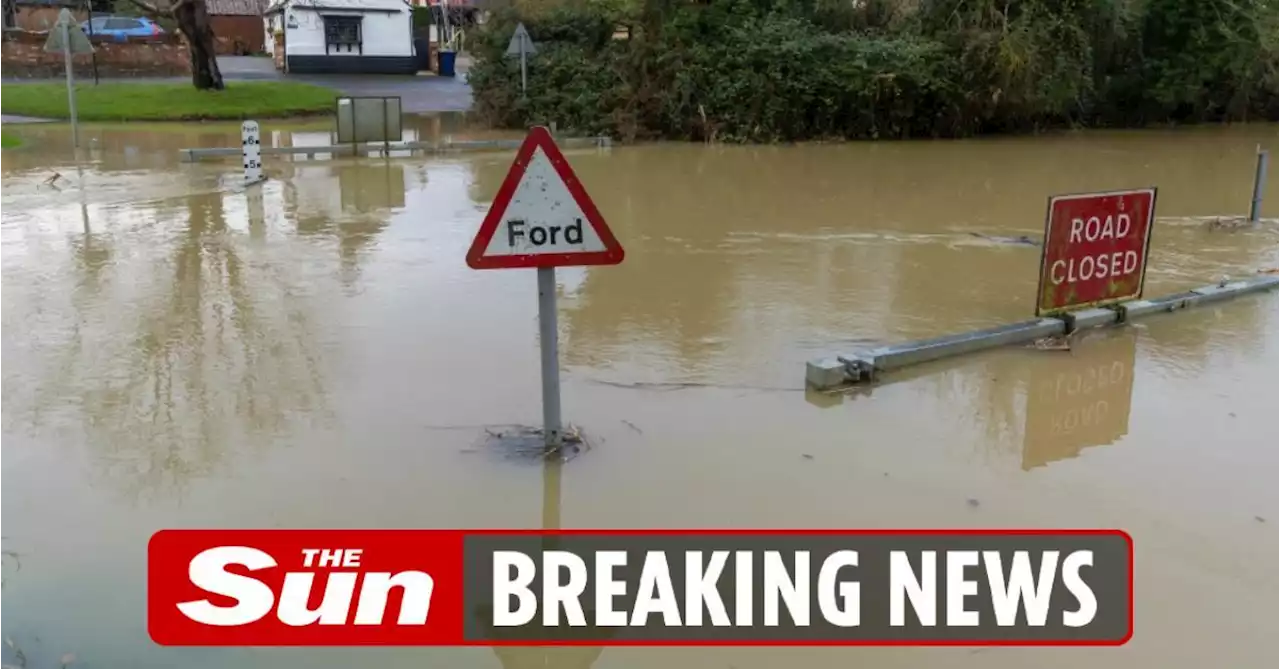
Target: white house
{"type": "Point", "coordinates": [344, 36]}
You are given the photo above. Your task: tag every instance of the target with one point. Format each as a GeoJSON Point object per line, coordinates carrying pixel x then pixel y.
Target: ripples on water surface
{"type": "Point", "coordinates": [181, 353]}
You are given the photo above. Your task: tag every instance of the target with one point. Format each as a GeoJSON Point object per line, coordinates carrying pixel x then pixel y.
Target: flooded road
{"type": "Point", "coordinates": [181, 353]}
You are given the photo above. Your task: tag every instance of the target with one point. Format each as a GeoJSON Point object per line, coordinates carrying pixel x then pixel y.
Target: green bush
{"type": "Point", "coordinates": [422, 18]}
{"type": "Point", "coordinates": [780, 70]}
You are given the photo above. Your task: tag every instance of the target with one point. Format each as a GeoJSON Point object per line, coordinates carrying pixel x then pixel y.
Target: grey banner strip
{"type": "Point", "coordinates": [784, 588]}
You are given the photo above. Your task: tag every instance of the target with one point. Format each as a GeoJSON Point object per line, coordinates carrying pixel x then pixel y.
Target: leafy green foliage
{"type": "Point", "coordinates": [786, 70]}
{"type": "Point", "coordinates": [422, 18]}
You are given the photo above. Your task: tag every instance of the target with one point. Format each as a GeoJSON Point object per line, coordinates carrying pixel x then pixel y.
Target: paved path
{"type": "Point", "coordinates": [14, 118]}
{"type": "Point", "coordinates": [418, 94]}
{"type": "Point", "coordinates": [424, 93]}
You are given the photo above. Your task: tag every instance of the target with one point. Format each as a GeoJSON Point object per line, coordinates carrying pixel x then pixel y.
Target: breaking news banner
{"type": "Point", "coordinates": [620, 588]}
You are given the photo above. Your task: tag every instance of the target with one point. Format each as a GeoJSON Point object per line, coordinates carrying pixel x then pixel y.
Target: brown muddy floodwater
{"type": "Point", "coordinates": [178, 354]}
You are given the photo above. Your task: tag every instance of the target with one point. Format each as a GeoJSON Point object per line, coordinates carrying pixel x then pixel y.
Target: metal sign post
{"type": "Point", "coordinates": [1259, 183]}
{"type": "Point", "coordinates": [542, 218]}
{"type": "Point", "coordinates": [548, 338]}
{"type": "Point", "coordinates": [522, 45]}
{"type": "Point", "coordinates": [71, 83]}
{"type": "Point", "coordinates": [67, 38]}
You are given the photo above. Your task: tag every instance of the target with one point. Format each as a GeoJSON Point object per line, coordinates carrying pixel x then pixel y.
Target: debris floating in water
{"type": "Point", "coordinates": [1229, 222]}
{"type": "Point", "coordinates": [525, 442]}
{"type": "Point", "coordinates": [1053, 343]}
{"type": "Point", "coordinates": [1022, 240]}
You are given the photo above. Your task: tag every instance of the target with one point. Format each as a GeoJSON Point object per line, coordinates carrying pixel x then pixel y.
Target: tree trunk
{"type": "Point", "coordinates": [193, 21]}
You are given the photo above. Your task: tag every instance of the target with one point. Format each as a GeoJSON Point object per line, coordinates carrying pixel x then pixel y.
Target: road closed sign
{"type": "Point", "coordinates": [1095, 249]}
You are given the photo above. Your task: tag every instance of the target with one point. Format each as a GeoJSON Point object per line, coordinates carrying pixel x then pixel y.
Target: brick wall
{"type": "Point", "coordinates": [27, 17]}
{"type": "Point", "coordinates": [24, 57]}
{"type": "Point", "coordinates": [237, 35]}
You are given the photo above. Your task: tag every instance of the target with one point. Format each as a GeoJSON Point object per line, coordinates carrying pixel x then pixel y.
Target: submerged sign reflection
{"type": "Point", "coordinates": [1080, 400]}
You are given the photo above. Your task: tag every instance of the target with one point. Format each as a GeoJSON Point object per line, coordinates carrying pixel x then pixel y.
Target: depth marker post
{"type": "Point", "coordinates": [251, 151]}
{"type": "Point", "coordinates": [543, 218]}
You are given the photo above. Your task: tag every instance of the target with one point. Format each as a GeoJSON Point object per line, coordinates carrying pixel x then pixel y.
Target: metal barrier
{"type": "Point", "coordinates": [386, 148]}
{"type": "Point", "coordinates": [862, 367]}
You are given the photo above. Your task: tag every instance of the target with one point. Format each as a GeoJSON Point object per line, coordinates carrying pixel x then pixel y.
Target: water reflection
{"type": "Point", "coordinates": [92, 253]}
{"type": "Point", "coordinates": [1034, 407]}
{"type": "Point", "coordinates": [209, 356]}
{"type": "Point", "coordinates": [1079, 400]}
{"type": "Point", "coordinates": [1224, 332]}
{"type": "Point", "coordinates": [565, 657]}
{"type": "Point", "coordinates": [349, 201]}
{"type": "Point", "coordinates": [560, 657]}
{"type": "Point", "coordinates": [152, 146]}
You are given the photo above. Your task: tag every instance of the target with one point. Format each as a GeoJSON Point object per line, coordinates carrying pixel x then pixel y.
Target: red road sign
{"type": "Point", "coordinates": [541, 216]}
{"type": "Point", "coordinates": [1095, 249]}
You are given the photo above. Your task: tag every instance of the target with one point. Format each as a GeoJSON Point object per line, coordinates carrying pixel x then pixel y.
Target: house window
{"type": "Point", "coordinates": [342, 34]}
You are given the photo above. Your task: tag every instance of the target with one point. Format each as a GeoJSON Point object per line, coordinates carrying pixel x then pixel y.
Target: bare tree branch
{"type": "Point", "coordinates": [168, 11]}
{"type": "Point", "coordinates": [150, 8]}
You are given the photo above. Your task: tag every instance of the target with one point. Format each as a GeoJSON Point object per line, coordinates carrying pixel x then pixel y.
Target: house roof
{"type": "Point", "coordinates": [339, 5]}
{"type": "Point", "coordinates": [235, 7]}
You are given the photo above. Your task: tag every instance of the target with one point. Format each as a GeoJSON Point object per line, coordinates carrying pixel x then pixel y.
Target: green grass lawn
{"type": "Point", "coordinates": [8, 141]}
{"type": "Point", "coordinates": [168, 102]}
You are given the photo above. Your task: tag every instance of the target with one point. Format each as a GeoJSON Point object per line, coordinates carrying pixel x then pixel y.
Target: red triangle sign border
{"type": "Point", "coordinates": [540, 138]}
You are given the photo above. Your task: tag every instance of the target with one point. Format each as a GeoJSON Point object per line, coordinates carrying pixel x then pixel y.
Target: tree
{"type": "Point", "coordinates": [10, 14]}
{"type": "Point", "coordinates": [192, 18]}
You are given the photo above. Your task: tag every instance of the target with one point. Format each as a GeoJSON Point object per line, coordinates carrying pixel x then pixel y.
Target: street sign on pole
{"type": "Point", "coordinates": [522, 45]}
{"type": "Point", "coordinates": [542, 218]}
{"type": "Point", "coordinates": [251, 150]}
{"type": "Point", "coordinates": [1095, 249]}
{"type": "Point", "coordinates": [72, 37]}
{"type": "Point", "coordinates": [67, 37]}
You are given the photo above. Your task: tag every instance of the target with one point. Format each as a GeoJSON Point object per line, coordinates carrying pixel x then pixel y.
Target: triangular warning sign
{"type": "Point", "coordinates": [541, 216]}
